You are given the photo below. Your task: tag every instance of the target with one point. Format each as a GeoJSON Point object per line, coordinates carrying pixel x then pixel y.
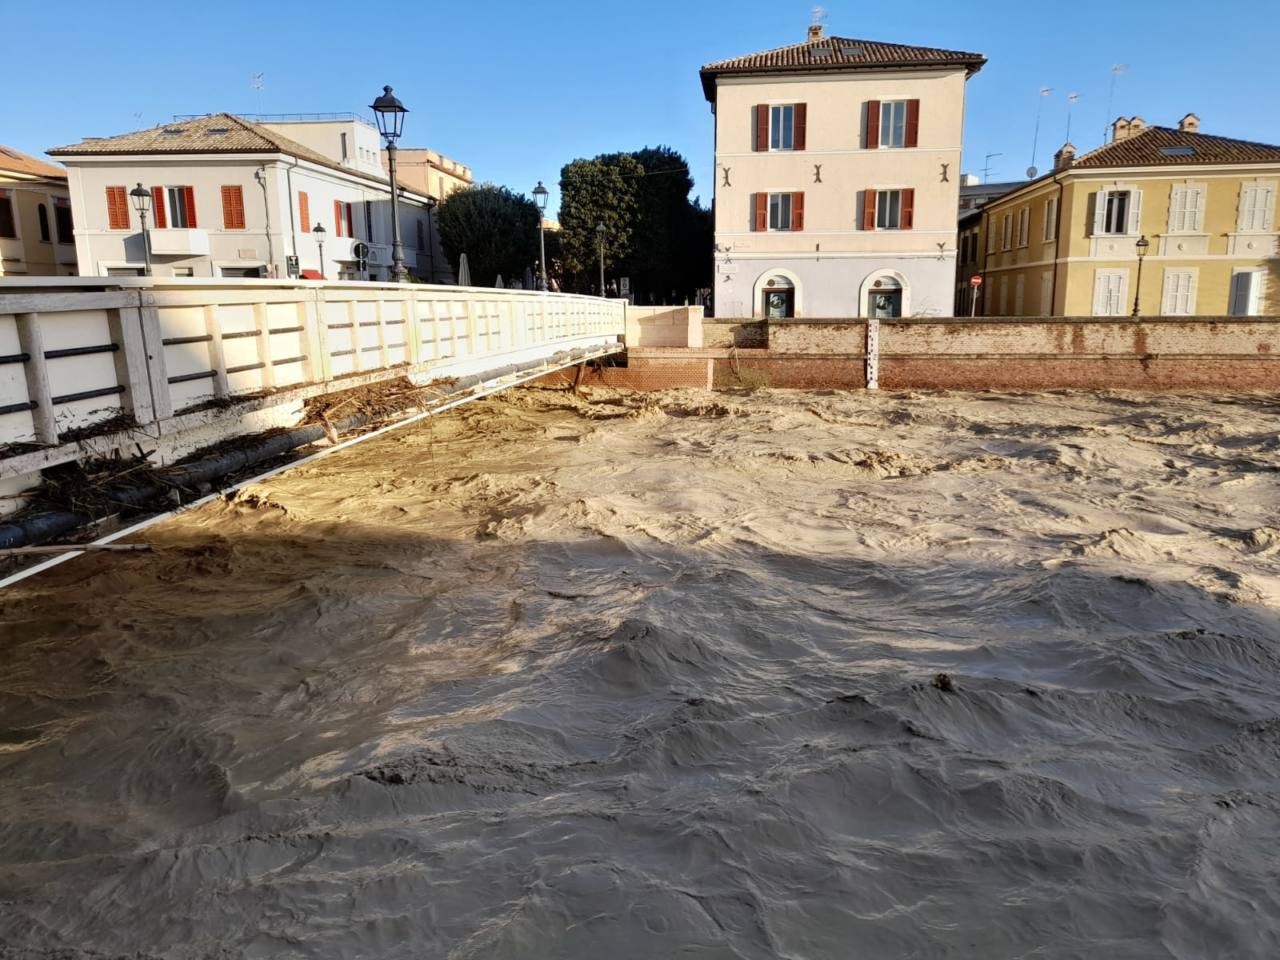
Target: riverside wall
{"type": "Point", "coordinates": [1015, 353]}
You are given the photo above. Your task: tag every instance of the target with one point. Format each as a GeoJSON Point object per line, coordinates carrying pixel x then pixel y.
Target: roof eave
{"type": "Point", "coordinates": [710, 75]}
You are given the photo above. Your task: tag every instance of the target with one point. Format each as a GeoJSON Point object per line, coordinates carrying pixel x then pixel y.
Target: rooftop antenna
{"type": "Point", "coordinates": [1035, 140]}
{"type": "Point", "coordinates": [1071, 102]}
{"type": "Point", "coordinates": [1116, 70]}
{"type": "Point", "coordinates": [986, 165]}
{"type": "Point", "coordinates": [257, 82]}
{"type": "Point", "coordinates": [819, 16]}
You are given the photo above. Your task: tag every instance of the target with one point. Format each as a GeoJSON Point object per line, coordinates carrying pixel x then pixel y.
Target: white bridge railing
{"type": "Point", "coordinates": [77, 353]}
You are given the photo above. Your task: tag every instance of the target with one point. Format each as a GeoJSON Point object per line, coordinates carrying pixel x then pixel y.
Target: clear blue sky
{"type": "Point", "coordinates": [517, 88]}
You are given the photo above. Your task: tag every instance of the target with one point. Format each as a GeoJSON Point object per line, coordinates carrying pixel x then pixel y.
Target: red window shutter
{"type": "Point", "coordinates": [157, 205]}
{"type": "Point", "coordinates": [868, 209]}
{"type": "Point", "coordinates": [759, 212]}
{"type": "Point", "coordinates": [232, 208]}
{"type": "Point", "coordinates": [304, 211]}
{"type": "Point", "coordinates": [797, 211]}
{"type": "Point", "coordinates": [337, 218]}
{"type": "Point", "coordinates": [912, 134]}
{"type": "Point", "coordinates": [908, 208]}
{"type": "Point", "coordinates": [873, 124]}
{"type": "Point", "coordinates": [117, 208]}
{"type": "Point", "coordinates": [762, 127]}
{"type": "Point", "coordinates": [350, 231]}
{"type": "Point", "coordinates": [191, 206]}
{"type": "Point", "coordinates": [801, 122]}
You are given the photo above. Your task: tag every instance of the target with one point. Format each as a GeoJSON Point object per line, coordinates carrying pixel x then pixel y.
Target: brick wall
{"type": "Point", "coordinates": [749, 334]}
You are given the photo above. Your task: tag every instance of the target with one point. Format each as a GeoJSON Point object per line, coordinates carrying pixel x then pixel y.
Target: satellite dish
{"type": "Point", "coordinates": [1031, 173]}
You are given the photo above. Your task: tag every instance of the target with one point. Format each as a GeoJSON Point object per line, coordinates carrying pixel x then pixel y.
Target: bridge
{"type": "Point", "coordinates": [91, 366]}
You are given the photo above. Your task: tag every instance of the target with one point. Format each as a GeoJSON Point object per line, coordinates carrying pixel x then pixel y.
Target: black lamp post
{"type": "Point", "coordinates": [1142, 245]}
{"type": "Point", "coordinates": [142, 203]}
{"type": "Point", "coordinates": [600, 235]}
{"type": "Point", "coordinates": [390, 113]}
{"type": "Point", "coordinates": [320, 231]}
{"type": "Point", "coordinates": [540, 195]}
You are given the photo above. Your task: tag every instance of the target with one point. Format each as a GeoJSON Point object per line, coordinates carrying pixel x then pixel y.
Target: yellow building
{"type": "Point", "coordinates": [37, 238]}
{"type": "Point", "coordinates": [1067, 244]}
{"type": "Point", "coordinates": [429, 172]}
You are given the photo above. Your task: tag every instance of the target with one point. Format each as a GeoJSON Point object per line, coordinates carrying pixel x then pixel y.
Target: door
{"type": "Point", "coordinates": [779, 303]}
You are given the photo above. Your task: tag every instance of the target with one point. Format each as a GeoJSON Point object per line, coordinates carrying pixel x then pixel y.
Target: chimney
{"type": "Point", "coordinates": [1119, 130]}
{"type": "Point", "coordinates": [1065, 157]}
{"type": "Point", "coordinates": [1189, 124]}
{"type": "Point", "coordinates": [1136, 126]}
{"type": "Point", "coordinates": [815, 32]}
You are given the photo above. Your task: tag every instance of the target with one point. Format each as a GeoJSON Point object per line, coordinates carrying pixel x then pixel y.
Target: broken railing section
{"type": "Point", "coordinates": [79, 353]}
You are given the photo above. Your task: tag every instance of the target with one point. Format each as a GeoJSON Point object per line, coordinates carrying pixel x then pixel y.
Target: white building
{"type": "Point", "coordinates": [837, 178]}
{"type": "Point", "coordinates": [235, 198]}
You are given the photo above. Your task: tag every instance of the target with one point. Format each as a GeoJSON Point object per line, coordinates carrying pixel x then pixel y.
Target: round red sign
{"type": "Point", "coordinates": [976, 280]}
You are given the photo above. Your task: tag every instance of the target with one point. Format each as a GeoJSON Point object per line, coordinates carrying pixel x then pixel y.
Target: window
{"type": "Point", "coordinates": [8, 228]}
{"type": "Point", "coordinates": [1116, 212]}
{"type": "Point", "coordinates": [180, 203]}
{"type": "Point", "coordinates": [62, 221]}
{"type": "Point", "coordinates": [1019, 295]}
{"type": "Point", "coordinates": [117, 208]}
{"type": "Point", "coordinates": [342, 219]}
{"type": "Point", "coordinates": [42, 212]}
{"type": "Point", "coordinates": [779, 211]}
{"type": "Point", "coordinates": [1046, 293]}
{"type": "Point", "coordinates": [232, 208]}
{"type": "Point", "coordinates": [1109, 288]}
{"type": "Point", "coordinates": [991, 238]}
{"type": "Point", "coordinates": [342, 141]}
{"type": "Point", "coordinates": [1004, 296]}
{"type": "Point", "coordinates": [1257, 204]}
{"type": "Point", "coordinates": [1050, 220]}
{"type": "Point", "coordinates": [304, 211]}
{"type": "Point", "coordinates": [1186, 208]}
{"type": "Point", "coordinates": [888, 209]}
{"type": "Point", "coordinates": [777, 127]}
{"type": "Point", "coordinates": [368, 220]}
{"type": "Point", "coordinates": [893, 123]}
{"type": "Point", "coordinates": [1245, 293]}
{"type": "Point", "coordinates": [1024, 227]}
{"type": "Point", "coordinates": [782, 126]}
{"type": "Point", "coordinates": [1179, 296]}
{"type": "Point", "coordinates": [1006, 232]}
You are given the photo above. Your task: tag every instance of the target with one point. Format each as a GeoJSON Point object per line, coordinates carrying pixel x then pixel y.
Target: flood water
{"type": "Point", "coordinates": [647, 676]}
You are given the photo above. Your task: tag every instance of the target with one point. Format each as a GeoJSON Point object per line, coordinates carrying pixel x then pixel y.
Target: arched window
{"type": "Point", "coordinates": [43, 213]}
{"type": "Point", "coordinates": [779, 297]}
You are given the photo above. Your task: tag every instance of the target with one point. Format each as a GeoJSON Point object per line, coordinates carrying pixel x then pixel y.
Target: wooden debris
{"type": "Point", "coordinates": [55, 548]}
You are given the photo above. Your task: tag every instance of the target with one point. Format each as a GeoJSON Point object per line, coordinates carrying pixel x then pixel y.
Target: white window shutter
{"type": "Point", "coordinates": [1099, 212]}
{"type": "Point", "coordinates": [1242, 294]}
{"type": "Point", "coordinates": [1169, 295]}
{"type": "Point", "coordinates": [1101, 288]}
{"type": "Point", "coordinates": [1196, 207]}
{"type": "Point", "coordinates": [1189, 294]}
{"type": "Point", "coordinates": [1245, 213]}
{"type": "Point", "coordinates": [1177, 209]}
{"type": "Point", "coordinates": [1267, 199]}
{"type": "Point", "coordinates": [1135, 211]}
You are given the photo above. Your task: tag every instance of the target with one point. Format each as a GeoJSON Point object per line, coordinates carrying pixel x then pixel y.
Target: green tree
{"type": "Point", "coordinates": [654, 234]}
{"type": "Point", "coordinates": [495, 227]}
{"type": "Point", "coordinates": [601, 190]}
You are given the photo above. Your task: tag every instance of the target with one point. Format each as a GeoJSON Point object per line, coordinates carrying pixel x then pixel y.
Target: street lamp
{"type": "Point", "coordinates": [540, 195]}
{"type": "Point", "coordinates": [1142, 245]}
{"type": "Point", "coordinates": [600, 235]}
{"type": "Point", "coordinates": [142, 203]}
{"type": "Point", "coordinates": [320, 231]}
{"type": "Point", "coordinates": [390, 114]}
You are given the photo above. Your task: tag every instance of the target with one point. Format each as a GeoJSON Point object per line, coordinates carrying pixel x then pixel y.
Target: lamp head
{"type": "Point", "coordinates": [540, 194]}
{"type": "Point", "coordinates": [141, 198]}
{"type": "Point", "coordinates": [389, 112]}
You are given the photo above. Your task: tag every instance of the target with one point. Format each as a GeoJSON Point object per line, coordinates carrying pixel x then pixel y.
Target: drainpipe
{"type": "Point", "coordinates": [1057, 249]}
{"type": "Point", "coordinates": [293, 225]}
{"type": "Point", "coordinates": [261, 176]}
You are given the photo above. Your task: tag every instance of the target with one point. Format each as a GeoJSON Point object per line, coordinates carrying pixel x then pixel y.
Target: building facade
{"type": "Point", "coordinates": [37, 235]}
{"type": "Point", "coordinates": [1067, 244]}
{"type": "Point", "coordinates": [837, 178]}
{"type": "Point", "coordinates": [431, 173]}
{"type": "Point", "coordinates": [236, 198]}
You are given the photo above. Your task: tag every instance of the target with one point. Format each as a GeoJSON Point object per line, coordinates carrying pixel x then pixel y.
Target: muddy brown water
{"type": "Point", "coordinates": [653, 676]}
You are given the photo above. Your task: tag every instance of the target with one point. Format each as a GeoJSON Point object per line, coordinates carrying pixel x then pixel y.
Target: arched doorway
{"type": "Point", "coordinates": [884, 295]}
{"type": "Point", "coordinates": [777, 295]}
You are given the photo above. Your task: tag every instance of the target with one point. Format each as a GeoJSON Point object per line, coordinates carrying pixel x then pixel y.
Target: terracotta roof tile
{"type": "Point", "coordinates": [13, 161]}
{"type": "Point", "coordinates": [1165, 146]}
{"type": "Point", "coordinates": [838, 54]}
{"type": "Point", "coordinates": [215, 133]}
